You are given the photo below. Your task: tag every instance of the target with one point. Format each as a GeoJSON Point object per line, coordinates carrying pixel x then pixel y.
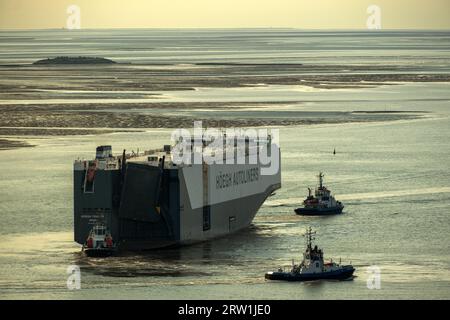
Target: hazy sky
{"type": "Point", "coordinates": [308, 14]}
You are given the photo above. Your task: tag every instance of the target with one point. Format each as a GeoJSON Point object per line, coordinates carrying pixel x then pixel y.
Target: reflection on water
{"type": "Point", "coordinates": [395, 217]}
{"type": "Point", "coordinates": [167, 48]}
{"type": "Point", "coordinates": [198, 260]}
{"type": "Point", "coordinates": [393, 178]}
{"type": "Point", "coordinates": [294, 202]}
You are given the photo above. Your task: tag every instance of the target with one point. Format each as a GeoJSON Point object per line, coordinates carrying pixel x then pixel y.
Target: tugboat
{"type": "Point", "coordinates": [322, 203]}
{"type": "Point", "coordinates": [99, 242]}
{"type": "Point", "coordinates": [313, 266]}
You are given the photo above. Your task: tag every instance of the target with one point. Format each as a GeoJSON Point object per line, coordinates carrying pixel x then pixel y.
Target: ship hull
{"type": "Point", "coordinates": [242, 210]}
{"type": "Point", "coordinates": [100, 253]}
{"type": "Point", "coordinates": [318, 211]}
{"type": "Point", "coordinates": [147, 207]}
{"type": "Point", "coordinates": [345, 273]}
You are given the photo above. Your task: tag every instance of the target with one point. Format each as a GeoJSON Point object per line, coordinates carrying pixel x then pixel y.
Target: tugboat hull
{"type": "Point", "coordinates": [318, 211]}
{"type": "Point", "coordinates": [343, 274]}
{"type": "Point", "coordinates": [99, 252]}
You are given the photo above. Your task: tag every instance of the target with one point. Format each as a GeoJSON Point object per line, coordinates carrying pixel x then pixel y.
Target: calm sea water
{"type": "Point", "coordinates": [393, 178]}
{"type": "Point", "coordinates": [418, 50]}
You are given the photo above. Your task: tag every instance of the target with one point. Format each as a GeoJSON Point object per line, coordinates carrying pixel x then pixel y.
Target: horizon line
{"type": "Point", "coordinates": [226, 28]}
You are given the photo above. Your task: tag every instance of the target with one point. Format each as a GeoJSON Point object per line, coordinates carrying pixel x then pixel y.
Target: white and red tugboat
{"type": "Point", "coordinates": [322, 203]}
{"type": "Point", "coordinates": [99, 242]}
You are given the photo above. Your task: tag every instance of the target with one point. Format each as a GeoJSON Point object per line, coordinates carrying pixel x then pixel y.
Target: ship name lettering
{"type": "Point", "coordinates": [225, 180]}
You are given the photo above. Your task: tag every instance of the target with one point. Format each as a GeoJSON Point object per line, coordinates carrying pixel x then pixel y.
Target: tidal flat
{"type": "Point", "coordinates": [49, 100]}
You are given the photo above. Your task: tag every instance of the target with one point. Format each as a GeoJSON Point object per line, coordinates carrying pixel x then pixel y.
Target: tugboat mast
{"type": "Point", "coordinates": [320, 176]}
{"type": "Point", "coordinates": [309, 237]}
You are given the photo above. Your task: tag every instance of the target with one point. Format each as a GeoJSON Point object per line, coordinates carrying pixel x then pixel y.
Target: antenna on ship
{"type": "Point", "coordinates": [309, 237]}
{"type": "Point", "coordinates": [320, 176]}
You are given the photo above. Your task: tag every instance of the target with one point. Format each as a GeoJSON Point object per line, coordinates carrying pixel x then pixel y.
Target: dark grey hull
{"type": "Point", "coordinates": [243, 210]}
{"type": "Point", "coordinates": [318, 211]}
{"type": "Point", "coordinates": [102, 252]}
{"type": "Point", "coordinates": [141, 217]}
{"type": "Point", "coordinates": [345, 273]}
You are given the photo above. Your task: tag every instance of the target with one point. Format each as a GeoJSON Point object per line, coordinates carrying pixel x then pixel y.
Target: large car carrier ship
{"type": "Point", "coordinates": [146, 200]}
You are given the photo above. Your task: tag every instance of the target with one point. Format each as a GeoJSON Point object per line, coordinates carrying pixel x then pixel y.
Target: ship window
{"type": "Point", "coordinates": [206, 218]}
